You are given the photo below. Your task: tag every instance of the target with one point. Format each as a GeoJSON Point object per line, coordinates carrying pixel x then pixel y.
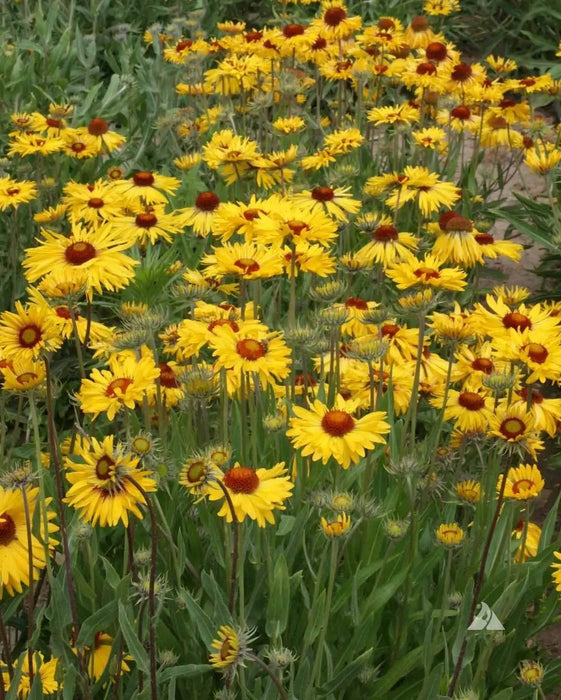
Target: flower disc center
{"type": "Point", "coordinates": [7, 529]}
{"type": "Point", "coordinates": [337, 423]}
{"type": "Point", "coordinates": [241, 480]}
{"type": "Point", "coordinates": [250, 349]}
{"type": "Point", "coordinates": [79, 253]}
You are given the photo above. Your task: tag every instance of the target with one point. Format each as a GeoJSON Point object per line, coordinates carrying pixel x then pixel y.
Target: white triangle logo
{"type": "Point", "coordinates": [485, 619]}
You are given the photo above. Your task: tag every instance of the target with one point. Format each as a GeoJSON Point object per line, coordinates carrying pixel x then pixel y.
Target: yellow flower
{"type": "Point", "coordinates": [96, 256]}
{"type": "Point", "coordinates": [147, 187]}
{"type": "Point", "coordinates": [471, 410]}
{"type": "Point", "coordinates": [450, 534]}
{"type": "Point", "coordinates": [23, 375]}
{"type": "Point", "coordinates": [427, 272]}
{"type": "Point", "coordinates": [102, 484]}
{"type": "Point", "coordinates": [336, 528]}
{"type": "Point", "coordinates": [335, 22]}
{"type": "Point", "coordinates": [245, 260]}
{"type": "Point", "coordinates": [229, 648]}
{"type": "Point", "coordinates": [14, 192]}
{"type": "Point", "coordinates": [201, 215]}
{"type": "Point", "coordinates": [289, 125]}
{"type": "Point", "coordinates": [531, 672]}
{"type": "Point", "coordinates": [14, 554]}
{"type": "Point", "coordinates": [513, 425]}
{"type": "Point", "coordinates": [324, 433]}
{"type": "Point", "coordinates": [93, 203]}
{"type": "Point", "coordinates": [124, 384]}
{"type": "Point", "coordinates": [253, 350]}
{"type": "Point", "coordinates": [522, 483]}
{"type": "Point", "coordinates": [47, 670]}
{"type": "Point", "coordinates": [28, 332]}
{"type": "Point", "coordinates": [399, 114]}
{"type": "Point", "coordinates": [99, 654]}
{"type": "Point", "coordinates": [256, 493]}
{"type": "Point", "coordinates": [532, 540]}
{"type": "Point", "coordinates": [335, 201]}
{"type": "Point", "coordinates": [469, 490]}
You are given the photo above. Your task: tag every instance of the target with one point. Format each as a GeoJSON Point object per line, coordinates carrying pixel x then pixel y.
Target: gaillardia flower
{"type": "Point", "coordinates": [256, 493]}
{"type": "Point", "coordinates": [104, 484]}
{"type": "Point", "coordinates": [323, 432]}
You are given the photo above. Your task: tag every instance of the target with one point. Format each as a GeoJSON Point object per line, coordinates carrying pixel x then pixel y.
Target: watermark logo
{"type": "Point", "coordinates": [485, 619]}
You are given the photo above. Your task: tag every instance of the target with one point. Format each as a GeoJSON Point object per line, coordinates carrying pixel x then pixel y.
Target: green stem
{"type": "Point", "coordinates": [321, 642]}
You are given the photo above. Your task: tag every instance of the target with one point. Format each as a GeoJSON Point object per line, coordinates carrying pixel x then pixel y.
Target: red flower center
{"type": "Point", "coordinates": [250, 349]}
{"type": "Point", "coordinates": [251, 214]}
{"type": "Point", "coordinates": [64, 312]}
{"type": "Point", "coordinates": [461, 72]}
{"type": "Point", "coordinates": [253, 36]}
{"type": "Point", "coordinates": [247, 265]}
{"type": "Point", "coordinates": [527, 82]}
{"type": "Point", "coordinates": [385, 234]}
{"type": "Point", "coordinates": [223, 322]}
{"type": "Point", "coordinates": [461, 113]}
{"type": "Point", "coordinates": [471, 401]}
{"type": "Point", "coordinates": [356, 303]}
{"type": "Point", "coordinates": [241, 480]}
{"type": "Point", "coordinates": [167, 377]}
{"type": "Point", "coordinates": [103, 467]}
{"type": "Point", "coordinates": [485, 238]}
{"type": "Point", "coordinates": [26, 378]}
{"type": "Point", "coordinates": [323, 194]}
{"type": "Point", "coordinates": [497, 122]}
{"type": "Point", "coordinates": [146, 220]}
{"type": "Point", "coordinates": [293, 30]}
{"type": "Point", "coordinates": [79, 253]}
{"type": "Point", "coordinates": [95, 203]}
{"type": "Point", "coordinates": [535, 395]}
{"type": "Point", "coordinates": [29, 335]}
{"type": "Point", "coordinates": [304, 379]}
{"type": "Point", "coordinates": [516, 320]}
{"type": "Point", "coordinates": [426, 273]}
{"type": "Point", "coordinates": [482, 364]}
{"type": "Point", "coordinates": [121, 384]}
{"type": "Point", "coordinates": [143, 179]}
{"type": "Point", "coordinates": [319, 44]}
{"type": "Point", "coordinates": [7, 529]}
{"type": "Point", "coordinates": [78, 147]}
{"type": "Point", "coordinates": [512, 428]}
{"type": "Point", "coordinates": [337, 423]}
{"type": "Point", "coordinates": [54, 123]}
{"type": "Point", "coordinates": [297, 227]}
{"type": "Point", "coordinates": [458, 223]}
{"type": "Point", "coordinates": [419, 24]}
{"type": "Point", "coordinates": [334, 16]}
{"type": "Point", "coordinates": [183, 44]}
{"type": "Point", "coordinates": [98, 126]}
{"type": "Point", "coordinates": [12, 191]}
{"type": "Point", "coordinates": [505, 104]}
{"type": "Point", "coordinates": [525, 484]}
{"type": "Point", "coordinates": [207, 201]}
{"type": "Point", "coordinates": [436, 51]}
{"type": "Point", "coordinates": [389, 330]}
{"type": "Point", "coordinates": [426, 69]}
{"type": "Point", "coordinates": [386, 23]}
{"type": "Point", "coordinates": [537, 353]}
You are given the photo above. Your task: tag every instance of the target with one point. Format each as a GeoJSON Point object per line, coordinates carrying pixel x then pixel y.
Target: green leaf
{"type": "Point", "coordinates": [205, 627]}
{"type": "Point", "coordinates": [100, 620]}
{"type": "Point", "coordinates": [346, 675]}
{"type": "Point", "coordinates": [134, 646]}
{"type": "Point", "coordinates": [279, 600]}
{"type": "Point", "coordinates": [401, 669]}
{"type": "Point", "coordinates": [187, 671]}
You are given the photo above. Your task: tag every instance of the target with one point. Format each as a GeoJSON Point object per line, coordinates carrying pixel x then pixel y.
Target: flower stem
{"type": "Point", "coordinates": [479, 582]}
{"type": "Point", "coordinates": [321, 642]}
{"type": "Point", "coordinates": [151, 588]}
{"type": "Point", "coordinates": [51, 430]}
{"type": "Point", "coordinates": [235, 548]}
{"type": "Point", "coordinates": [263, 665]}
{"type": "Point", "coordinates": [30, 601]}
